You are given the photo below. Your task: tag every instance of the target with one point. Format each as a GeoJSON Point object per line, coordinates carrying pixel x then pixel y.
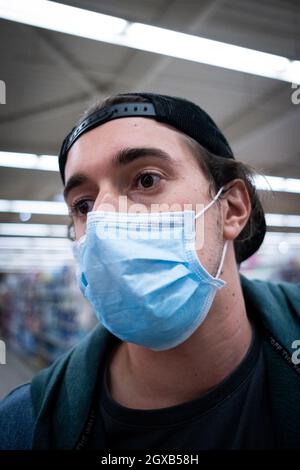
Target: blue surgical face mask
{"type": "Point", "coordinates": [142, 276]}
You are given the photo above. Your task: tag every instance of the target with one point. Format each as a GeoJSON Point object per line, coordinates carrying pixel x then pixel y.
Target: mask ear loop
{"type": "Point", "coordinates": [226, 241]}
{"type": "Point", "coordinates": [222, 259]}
{"type": "Point", "coordinates": [210, 204]}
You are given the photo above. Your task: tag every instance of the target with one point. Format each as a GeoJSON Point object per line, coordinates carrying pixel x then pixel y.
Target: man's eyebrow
{"type": "Point", "coordinates": [121, 158]}
{"type": "Point", "coordinates": [76, 180]}
{"type": "Point", "coordinates": [128, 155]}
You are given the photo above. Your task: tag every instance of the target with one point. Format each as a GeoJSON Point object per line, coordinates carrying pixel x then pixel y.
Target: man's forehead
{"type": "Point", "coordinates": [110, 137]}
{"type": "Point", "coordinates": [125, 140]}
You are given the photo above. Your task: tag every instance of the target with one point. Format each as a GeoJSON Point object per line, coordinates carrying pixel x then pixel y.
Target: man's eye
{"type": "Point", "coordinates": [82, 207]}
{"type": "Point", "coordinates": [147, 180]}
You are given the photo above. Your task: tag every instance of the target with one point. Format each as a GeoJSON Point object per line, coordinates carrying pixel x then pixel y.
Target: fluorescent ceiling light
{"type": "Point", "coordinates": [20, 264]}
{"type": "Point", "coordinates": [283, 220]}
{"type": "Point", "coordinates": [92, 25]}
{"type": "Point", "coordinates": [15, 266]}
{"type": "Point", "coordinates": [35, 243]}
{"type": "Point", "coordinates": [274, 238]}
{"type": "Point", "coordinates": [49, 244]}
{"type": "Point", "coordinates": [62, 18]}
{"type": "Point", "coordinates": [50, 163]}
{"type": "Point", "coordinates": [30, 252]}
{"type": "Point", "coordinates": [277, 183]}
{"type": "Point", "coordinates": [26, 255]}
{"type": "Point", "coordinates": [207, 51]}
{"type": "Point", "coordinates": [60, 208]}
{"type": "Point", "coordinates": [33, 230]}
{"type": "Point", "coordinates": [33, 207]}
{"type": "Point", "coordinates": [29, 161]}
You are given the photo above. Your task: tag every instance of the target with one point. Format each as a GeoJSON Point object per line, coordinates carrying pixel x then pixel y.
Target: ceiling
{"type": "Point", "coordinates": [51, 77]}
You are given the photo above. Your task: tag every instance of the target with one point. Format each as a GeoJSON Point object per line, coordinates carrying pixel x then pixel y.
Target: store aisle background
{"type": "Point", "coordinates": [15, 372]}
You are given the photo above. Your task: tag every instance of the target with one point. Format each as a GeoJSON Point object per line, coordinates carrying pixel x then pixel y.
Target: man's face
{"type": "Point", "coordinates": [145, 161]}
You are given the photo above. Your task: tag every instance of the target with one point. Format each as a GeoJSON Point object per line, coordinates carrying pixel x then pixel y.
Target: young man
{"type": "Point", "coordinates": [188, 354]}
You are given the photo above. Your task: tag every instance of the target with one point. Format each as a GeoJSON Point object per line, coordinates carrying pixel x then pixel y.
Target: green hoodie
{"type": "Point", "coordinates": [62, 395]}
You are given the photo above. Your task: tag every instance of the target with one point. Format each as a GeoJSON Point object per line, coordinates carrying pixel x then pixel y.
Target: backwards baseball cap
{"type": "Point", "coordinates": [180, 113]}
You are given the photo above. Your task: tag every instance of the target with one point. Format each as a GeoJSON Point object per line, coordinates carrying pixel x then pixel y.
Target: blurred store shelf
{"type": "Point", "coordinates": [42, 313]}
{"type": "Point", "coordinates": [15, 372]}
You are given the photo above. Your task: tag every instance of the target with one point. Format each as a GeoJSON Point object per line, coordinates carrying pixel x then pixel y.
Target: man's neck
{"type": "Point", "coordinates": [144, 379]}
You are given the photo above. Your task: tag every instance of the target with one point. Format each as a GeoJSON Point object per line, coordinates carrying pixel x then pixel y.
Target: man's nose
{"type": "Point", "coordinates": [107, 200]}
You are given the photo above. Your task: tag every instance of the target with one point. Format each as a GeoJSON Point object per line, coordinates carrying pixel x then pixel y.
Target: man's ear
{"type": "Point", "coordinates": [236, 207]}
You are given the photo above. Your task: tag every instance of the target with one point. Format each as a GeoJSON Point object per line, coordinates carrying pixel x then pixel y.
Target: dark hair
{"type": "Point", "coordinates": [219, 171]}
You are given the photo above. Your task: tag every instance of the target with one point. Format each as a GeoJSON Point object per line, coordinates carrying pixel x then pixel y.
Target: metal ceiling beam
{"type": "Point", "coordinates": [48, 109]}
{"type": "Point", "coordinates": [193, 21]}
{"type": "Point", "coordinates": [88, 88]}
{"type": "Point", "coordinates": [176, 10]}
{"type": "Point", "coordinates": [66, 62]}
{"type": "Point", "coordinates": [264, 113]}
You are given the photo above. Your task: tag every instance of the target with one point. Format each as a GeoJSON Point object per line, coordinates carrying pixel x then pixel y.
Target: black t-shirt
{"type": "Point", "coordinates": [233, 415]}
